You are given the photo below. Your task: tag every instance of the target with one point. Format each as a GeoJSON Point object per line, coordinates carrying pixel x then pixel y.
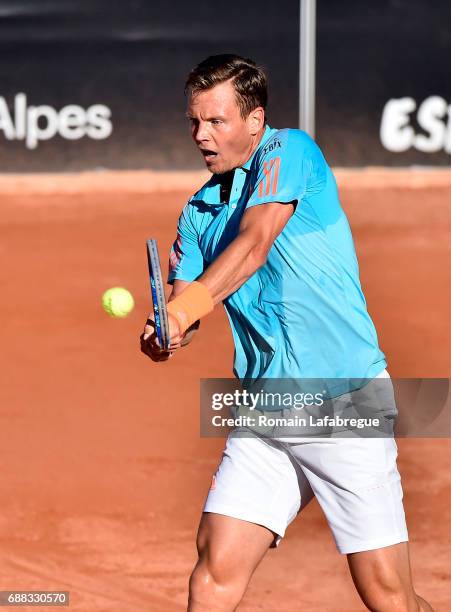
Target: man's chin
{"type": "Point", "coordinates": [216, 168]}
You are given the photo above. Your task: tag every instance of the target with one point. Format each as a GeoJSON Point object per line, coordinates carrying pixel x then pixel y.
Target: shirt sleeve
{"type": "Point", "coordinates": [288, 168]}
{"type": "Point", "coordinates": [185, 259]}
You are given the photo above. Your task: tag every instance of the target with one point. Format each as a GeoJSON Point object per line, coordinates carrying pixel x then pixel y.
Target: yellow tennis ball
{"type": "Point", "coordinates": [118, 302]}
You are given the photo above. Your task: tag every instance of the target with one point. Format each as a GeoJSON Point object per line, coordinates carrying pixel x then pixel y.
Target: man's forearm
{"type": "Point", "coordinates": [236, 264]}
{"type": "Point", "coordinates": [259, 228]}
{"type": "Point", "coordinates": [225, 275]}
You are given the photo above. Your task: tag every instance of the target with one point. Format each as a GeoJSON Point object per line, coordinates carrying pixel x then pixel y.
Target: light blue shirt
{"type": "Point", "coordinates": [303, 313]}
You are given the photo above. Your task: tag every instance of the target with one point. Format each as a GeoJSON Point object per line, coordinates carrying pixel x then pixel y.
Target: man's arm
{"type": "Point", "coordinates": [258, 230]}
{"type": "Point", "coordinates": [177, 288]}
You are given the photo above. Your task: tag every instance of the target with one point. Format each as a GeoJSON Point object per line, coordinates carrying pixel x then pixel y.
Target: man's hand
{"type": "Point", "coordinates": [188, 335]}
{"type": "Point", "coordinates": [149, 340]}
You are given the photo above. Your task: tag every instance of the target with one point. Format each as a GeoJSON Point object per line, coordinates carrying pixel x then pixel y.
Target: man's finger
{"type": "Point", "coordinates": [174, 346]}
{"type": "Point", "coordinates": [154, 355]}
{"type": "Point", "coordinates": [151, 347]}
{"type": "Point", "coordinates": [149, 328]}
{"type": "Point", "coordinates": [147, 342]}
{"type": "Point", "coordinates": [150, 335]}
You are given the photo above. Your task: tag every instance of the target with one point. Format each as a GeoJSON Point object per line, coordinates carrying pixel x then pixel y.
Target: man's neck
{"type": "Point", "coordinates": [255, 144]}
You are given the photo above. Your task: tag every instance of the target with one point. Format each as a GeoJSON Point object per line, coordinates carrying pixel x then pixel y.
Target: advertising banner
{"type": "Point", "coordinates": [95, 84]}
{"type": "Point", "coordinates": [383, 84]}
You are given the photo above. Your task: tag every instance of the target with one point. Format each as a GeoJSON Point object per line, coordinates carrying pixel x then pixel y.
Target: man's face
{"type": "Point", "coordinates": [224, 138]}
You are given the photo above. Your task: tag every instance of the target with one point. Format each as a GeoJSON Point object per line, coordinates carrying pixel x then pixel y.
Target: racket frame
{"type": "Point", "coordinates": [158, 295]}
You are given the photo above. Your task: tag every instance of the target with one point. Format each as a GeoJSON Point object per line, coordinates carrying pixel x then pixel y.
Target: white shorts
{"type": "Point", "coordinates": [355, 480]}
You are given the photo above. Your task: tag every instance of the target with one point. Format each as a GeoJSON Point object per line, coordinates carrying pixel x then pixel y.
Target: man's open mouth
{"type": "Point", "coordinates": [208, 155]}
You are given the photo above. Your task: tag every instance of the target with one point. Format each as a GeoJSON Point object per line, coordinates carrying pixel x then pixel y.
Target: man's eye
{"type": "Point", "coordinates": [216, 121]}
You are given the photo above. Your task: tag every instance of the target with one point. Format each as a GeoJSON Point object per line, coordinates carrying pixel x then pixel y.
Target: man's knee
{"type": "Point", "coordinates": [383, 579]}
{"type": "Point", "coordinates": [210, 583]}
{"type": "Point", "coordinates": [391, 596]}
{"type": "Point", "coordinates": [216, 579]}
{"type": "Point", "coordinates": [229, 551]}
{"type": "Point", "coordinates": [393, 602]}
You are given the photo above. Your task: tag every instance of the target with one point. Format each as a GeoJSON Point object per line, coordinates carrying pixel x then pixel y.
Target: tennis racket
{"type": "Point", "coordinates": [158, 297]}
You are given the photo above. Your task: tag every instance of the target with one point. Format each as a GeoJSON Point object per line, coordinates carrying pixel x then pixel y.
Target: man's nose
{"type": "Point", "coordinates": [201, 133]}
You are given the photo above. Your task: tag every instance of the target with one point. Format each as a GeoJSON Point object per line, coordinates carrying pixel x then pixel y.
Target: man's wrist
{"type": "Point", "coordinates": [192, 304]}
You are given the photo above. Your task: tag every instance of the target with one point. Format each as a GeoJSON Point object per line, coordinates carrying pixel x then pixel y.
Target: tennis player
{"type": "Point", "coordinates": [267, 236]}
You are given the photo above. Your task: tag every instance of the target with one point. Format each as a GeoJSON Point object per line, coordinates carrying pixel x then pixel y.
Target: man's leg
{"type": "Point", "coordinates": [229, 551]}
{"type": "Point", "coordinates": [384, 581]}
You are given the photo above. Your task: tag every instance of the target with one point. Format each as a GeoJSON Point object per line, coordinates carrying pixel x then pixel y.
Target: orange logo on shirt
{"type": "Point", "coordinates": [213, 483]}
{"type": "Point", "coordinates": [268, 184]}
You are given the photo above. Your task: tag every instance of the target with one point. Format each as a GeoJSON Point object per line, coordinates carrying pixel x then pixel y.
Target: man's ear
{"type": "Point", "coordinates": [256, 120]}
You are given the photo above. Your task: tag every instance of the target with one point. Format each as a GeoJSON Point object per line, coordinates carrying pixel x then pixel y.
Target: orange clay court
{"type": "Point", "coordinates": [103, 471]}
